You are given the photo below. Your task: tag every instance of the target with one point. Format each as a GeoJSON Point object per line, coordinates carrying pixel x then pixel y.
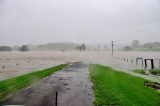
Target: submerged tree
{"type": "Point", "coordinates": [81, 47]}
{"type": "Point", "coordinates": [24, 48]}
{"type": "Point", "coordinates": [5, 48]}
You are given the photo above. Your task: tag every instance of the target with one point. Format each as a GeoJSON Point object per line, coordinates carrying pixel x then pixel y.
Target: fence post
{"type": "Point", "coordinates": [142, 63]}
{"type": "Point", "coordinates": [152, 64]}
{"type": "Point", "coordinates": [145, 62]}
{"type": "Point", "coordinates": [131, 60]}
{"type": "Point", "coordinates": [56, 101]}
{"type": "Point", "coordinates": [136, 61]}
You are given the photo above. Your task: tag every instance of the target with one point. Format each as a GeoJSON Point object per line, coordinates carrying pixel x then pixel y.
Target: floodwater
{"type": "Point", "coordinates": [17, 63]}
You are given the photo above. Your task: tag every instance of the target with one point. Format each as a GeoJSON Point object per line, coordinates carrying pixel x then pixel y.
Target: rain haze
{"type": "Point", "coordinates": [88, 21]}
{"type": "Point", "coordinates": [79, 52]}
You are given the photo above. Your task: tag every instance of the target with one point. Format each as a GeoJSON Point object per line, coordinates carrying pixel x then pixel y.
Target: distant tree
{"type": "Point", "coordinates": [24, 48]}
{"type": "Point", "coordinates": [128, 48]}
{"type": "Point", "coordinates": [5, 48]}
{"type": "Point", "coordinates": [136, 43]}
{"type": "Point", "coordinates": [81, 47]}
{"type": "Point", "coordinates": [152, 45]}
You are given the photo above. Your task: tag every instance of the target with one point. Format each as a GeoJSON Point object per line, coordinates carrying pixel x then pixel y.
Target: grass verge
{"type": "Point", "coordinates": [114, 88]}
{"type": "Point", "coordinates": [12, 85]}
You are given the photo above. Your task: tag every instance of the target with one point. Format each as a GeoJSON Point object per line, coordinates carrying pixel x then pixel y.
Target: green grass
{"type": "Point", "coordinates": [158, 92]}
{"type": "Point", "coordinates": [113, 88]}
{"type": "Point", "coordinates": [12, 85]}
{"type": "Point", "coordinates": [139, 71]}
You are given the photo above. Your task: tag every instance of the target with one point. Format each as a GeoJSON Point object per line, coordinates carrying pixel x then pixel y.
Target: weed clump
{"type": "Point", "coordinates": [155, 72]}
{"type": "Point", "coordinates": [139, 71]}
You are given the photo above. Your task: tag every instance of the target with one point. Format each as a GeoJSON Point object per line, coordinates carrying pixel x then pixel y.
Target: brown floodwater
{"type": "Point", "coordinates": [17, 63]}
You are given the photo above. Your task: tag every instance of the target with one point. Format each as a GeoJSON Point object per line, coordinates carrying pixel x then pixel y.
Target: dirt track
{"type": "Point", "coordinates": [72, 84]}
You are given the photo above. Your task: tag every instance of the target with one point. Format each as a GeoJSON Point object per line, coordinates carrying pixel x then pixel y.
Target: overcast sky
{"type": "Point", "coordinates": [88, 21]}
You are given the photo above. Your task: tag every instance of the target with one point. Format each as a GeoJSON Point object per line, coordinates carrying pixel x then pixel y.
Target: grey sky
{"type": "Point", "coordinates": [89, 21]}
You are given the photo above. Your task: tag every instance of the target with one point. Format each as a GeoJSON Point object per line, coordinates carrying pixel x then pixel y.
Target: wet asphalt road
{"type": "Point", "coordinates": [72, 84]}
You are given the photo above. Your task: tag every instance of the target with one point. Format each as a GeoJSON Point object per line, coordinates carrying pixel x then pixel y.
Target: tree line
{"type": "Point", "coordinates": [137, 45]}
{"type": "Point", "coordinates": [7, 48]}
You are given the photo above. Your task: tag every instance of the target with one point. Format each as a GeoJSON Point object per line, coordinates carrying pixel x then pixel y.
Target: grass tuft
{"type": "Point", "coordinates": [139, 71]}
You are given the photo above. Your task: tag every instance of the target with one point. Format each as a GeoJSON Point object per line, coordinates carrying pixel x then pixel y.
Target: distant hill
{"type": "Point", "coordinates": [152, 46]}
{"type": "Point", "coordinates": [62, 46]}
{"type": "Point", "coordinates": [149, 46]}
{"type": "Point", "coordinates": [66, 46]}
{"type": "Point", "coordinates": [56, 46]}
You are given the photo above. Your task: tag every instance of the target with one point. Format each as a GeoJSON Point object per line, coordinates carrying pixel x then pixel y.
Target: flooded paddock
{"type": "Point", "coordinates": [18, 63]}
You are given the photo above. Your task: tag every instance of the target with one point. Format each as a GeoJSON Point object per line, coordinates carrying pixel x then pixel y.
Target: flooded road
{"type": "Point", "coordinates": [72, 84]}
